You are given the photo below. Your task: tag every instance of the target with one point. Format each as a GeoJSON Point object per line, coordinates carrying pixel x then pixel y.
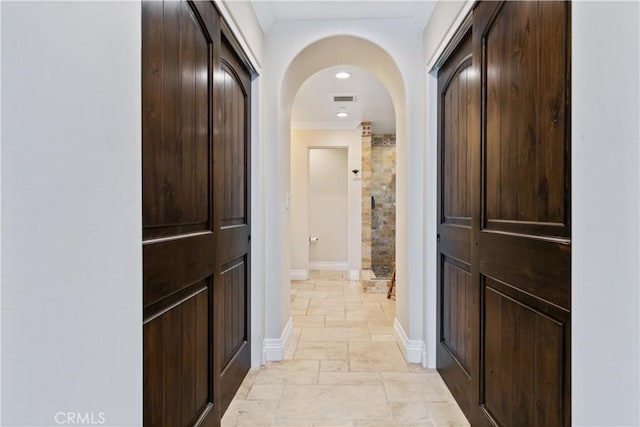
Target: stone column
{"type": "Point", "coordinates": [366, 195]}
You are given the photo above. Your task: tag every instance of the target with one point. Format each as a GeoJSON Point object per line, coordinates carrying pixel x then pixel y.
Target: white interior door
{"type": "Point", "coordinates": [328, 209]}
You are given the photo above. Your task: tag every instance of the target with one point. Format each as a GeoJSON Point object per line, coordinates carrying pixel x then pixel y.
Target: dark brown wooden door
{"type": "Point", "coordinates": [524, 254]}
{"type": "Point", "coordinates": [178, 238]}
{"type": "Point", "coordinates": [231, 216]}
{"type": "Point", "coordinates": [520, 218]}
{"type": "Point", "coordinates": [195, 216]}
{"type": "Point", "coordinates": [458, 300]}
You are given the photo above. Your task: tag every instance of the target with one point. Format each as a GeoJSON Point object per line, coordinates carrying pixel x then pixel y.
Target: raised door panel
{"type": "Point", "coordinates": [176, 360]}
{"type": "Point", "coordinates": [525, 70]}
{"type": "Point", "coordinates": [176, 113]}
{"type": "Point", "coordinates": [524, 356]}
{"type": "Point", "coordinates": [456, 101]}
{"type": "Point", "coordinates": [457, 298]}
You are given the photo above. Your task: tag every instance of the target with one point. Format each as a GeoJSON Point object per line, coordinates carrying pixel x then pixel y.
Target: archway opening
{"type": "Point", "coordinates": [358, 52]}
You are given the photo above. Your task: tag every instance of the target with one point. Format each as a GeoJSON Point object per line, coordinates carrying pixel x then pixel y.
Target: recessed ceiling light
{"type": "Point", "coordinates": [342, 114]}
{"type": "Point", "coordinates": [343, 75]}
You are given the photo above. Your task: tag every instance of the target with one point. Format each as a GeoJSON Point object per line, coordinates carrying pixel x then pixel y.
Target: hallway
{"type": "Point", "coordinates": [342, 368]}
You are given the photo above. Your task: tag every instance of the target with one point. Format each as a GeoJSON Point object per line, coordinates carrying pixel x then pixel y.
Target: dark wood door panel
{"type": "Point", "coordinates": [172, 265]}
{"type": "Point", "coordinates": [177, 384]}
{"type": "Point", "coordinates": [504, 230]}
{"type": "Point", "coordinates": [233, 122]}
{"type": "Point", "coordinates": [525, 361]}
{"type": "Point", "coordinates": [457, 299]}
{"type": "Point", "coordinates": [176, 113]}
{"type": "Point", "coordinates": [232, 284]}
{"type": "Point", "coordinates": [181, 45]}
{"type": "Point", "coordinates": [525, 68]}
{"type": "Point", "coordinates": [232, 212]}
{"type": "Point", "coordinates": [535, 266]}
{"type": "Point", "coordinates": [455, 100]}
{"type": "Point", "coordinates": [455, 242]}
{"type": "Point", "coordinates": [524, 237]}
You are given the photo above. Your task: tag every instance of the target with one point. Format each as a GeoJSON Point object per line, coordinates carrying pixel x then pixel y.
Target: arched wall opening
{"type": "Point", "coordinates": [350, 215]}
{"type": "Point", "coordinates": [356, 51]}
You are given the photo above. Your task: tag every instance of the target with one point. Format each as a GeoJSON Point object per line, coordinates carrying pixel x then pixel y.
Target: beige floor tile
{"type": "Point", "coordinates": [312, 423]}
{"type": "Point", "coordinates": [329, 285]}
{"type": "Point", "coordinates": [438, 413]}
{"type": "Point", "coordinates": [333, 402]}
{"type": "Point", "coordinates": [329, 308]}
{"type": "Point", "coordinates": [383, 423]}
{"type": "Point", "coordinates": [311, 294]}
{"type": "Point", "coordinates": [353, 378]}
{"type": "Point", "coordinates": [447, 414]}
{"type": "Point", "coordinates": [335, 334]}
{"type": "Point", "coordinates": [384, 338]}
{"type": "Point", "coordinates": [325, 350]}
{"type": "Point", "coordinates": [417, 391]}
{"type": "Point", "coordinates": [380, 327]}
{"type": "Point", "coordinates": [250, 413]}
{"type": "Point", "coordinates": [376, 356]}
{"type": "Point", "coordinates": [342, 368]}
{"type": "Point", "coordinates": [347, 323]}
{"type": "Point", "coordinates": [308, 320]}
{"type": "Point", "coordinates": [300, 304]}
{"type": "Point", "coordinates": [289, 372]}
{"type": "Point", "coordinates": [265, 392]}
{"type": "Point", "coordinates": [343, 298]}
{"type": "Point", "coordinates": [248, 381]}
{"type": "Point", "coordinates": [334, 365]}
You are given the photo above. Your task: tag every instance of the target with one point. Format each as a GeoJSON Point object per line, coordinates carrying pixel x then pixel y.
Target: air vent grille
{"type": "Point", "coordinates": [343, 97]}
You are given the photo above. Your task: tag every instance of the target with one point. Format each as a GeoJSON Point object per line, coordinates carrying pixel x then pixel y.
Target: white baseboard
{"type": "Point", "coordinates": [328, 266]}
{"type": "Point", "coordinates": [414, 351]}
{"type": "Point", "coordinates": [354, 274]}
{"type": "Point", "coordinates": [273, 349]}
{"type": "Point", "coordinates": [299, 275]}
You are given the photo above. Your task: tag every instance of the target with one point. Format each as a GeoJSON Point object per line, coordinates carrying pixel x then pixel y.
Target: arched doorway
{"type": "Point", "coordinates": [323, 53]}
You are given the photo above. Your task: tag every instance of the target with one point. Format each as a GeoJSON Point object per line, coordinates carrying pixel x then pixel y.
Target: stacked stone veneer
{"type": "Point", "coordinates": [383, 189]}
{"type": "Point", "coordinates": [366, 195]}
{"type": "Point", "coordinates": [378, 176]}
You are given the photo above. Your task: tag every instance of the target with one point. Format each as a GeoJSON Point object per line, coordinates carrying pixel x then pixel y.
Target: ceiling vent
{"type": "Point", "coordinates": [343, 97]}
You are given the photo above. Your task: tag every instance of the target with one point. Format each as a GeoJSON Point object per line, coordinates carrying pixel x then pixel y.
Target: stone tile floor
{"type": "Point", "coordinates": [342, 368]}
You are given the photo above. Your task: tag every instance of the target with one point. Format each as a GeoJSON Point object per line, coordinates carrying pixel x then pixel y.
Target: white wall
{"type": "Point", "coordinates": [301, 140]}
{"type": "Point", "coordinates": [328, 206]}
{"type": "Point", "coordinates": [605, 183]}
{"type": "Point", "coordinates": [246, 27]}
{"type": "Point", "coordinates": [71, 212]}
{"type": "Point", "coordinates": [283, 42]}
{"type": "Point", "coordinates": [605, 205]}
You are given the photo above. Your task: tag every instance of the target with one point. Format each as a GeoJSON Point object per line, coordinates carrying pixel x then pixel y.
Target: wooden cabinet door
{"type": "Point", "coordinates": [524, 239]}
{"type": "Point", "coordinates": [458, 299]}
{"type": "Point", "coordinates": [232, 358]}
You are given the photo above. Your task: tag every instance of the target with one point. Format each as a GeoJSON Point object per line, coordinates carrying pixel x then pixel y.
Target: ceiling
{"type": "Point", "coordinates": [314, 108]}
{"type": "Point", "coordinates": [270, 12]}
